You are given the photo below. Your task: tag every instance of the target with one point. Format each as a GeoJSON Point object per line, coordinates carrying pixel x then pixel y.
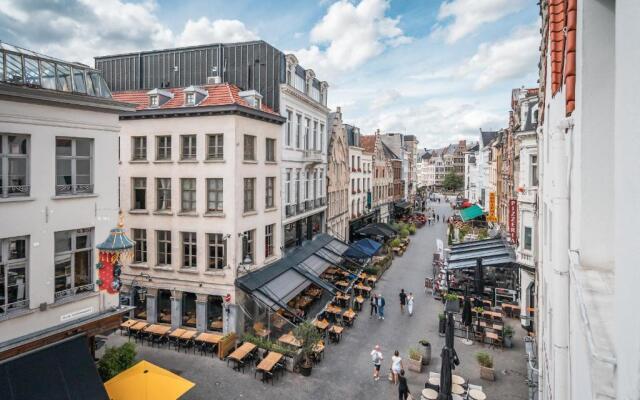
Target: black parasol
{"type": "Point", "coordinates": [478, 278]}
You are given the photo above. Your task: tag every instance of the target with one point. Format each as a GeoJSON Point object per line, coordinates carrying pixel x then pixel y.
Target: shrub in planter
{"type": "Point", "coordinates": [414, 363]}
{"type": "Point", "coordinates": [404, 233]}
{"type": "Point", "coordinates": [395, 243]}
{"type": "Point", "coordinates": [486, 366]}
{"type": "Point", "coordinates": [116, 360]}
{"type": "Point", "coordinates": [452, 303]}
{"type": "Point", "coordinates": [308, 334]}
{"type": "Point", "coordinates": [507, 333]}
{"type": "Point", "coordinates": [426, 357]}
{"type": "Point", "coordinates": [412, 229]}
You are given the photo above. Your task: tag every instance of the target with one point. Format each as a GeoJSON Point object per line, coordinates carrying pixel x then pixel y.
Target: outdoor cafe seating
{"type": "Point", "coordinates": [242, 355]}
{"type": "Point", "coordinates": [460, 388]}
{"type": "Point", "coordinates": [270, 366]}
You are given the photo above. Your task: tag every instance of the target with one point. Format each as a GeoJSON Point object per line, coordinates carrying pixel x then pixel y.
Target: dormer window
{"type": "Point", "coordinates": [157, 97]}
{"type": "Point", "coordinates": [193, 95]}
{"type": "Point", "coordinates": [252, 97]}
{"type": "Point", "coordinates": [153, 101]}
{"type": "Point", "coordinates": [190, 99]}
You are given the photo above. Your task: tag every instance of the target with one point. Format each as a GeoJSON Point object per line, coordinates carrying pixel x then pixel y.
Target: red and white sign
{"type": "Point", "coordinates": [513, 220]}
{"type": "Point", "coordinates": [227, 298]}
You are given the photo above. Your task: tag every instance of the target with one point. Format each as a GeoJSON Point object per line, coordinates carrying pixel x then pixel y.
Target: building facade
{"type": "Point", "coordinates": [471, 175]}
{"type": "Point", "coordinates": [199, 180]}
{"type": "Point", "coordinates": [338, 183]}
{"type": "Point", "coordinates": [411, 146]}
{"type": "Point", "coordinates": [382, 177]}
{"type": "Point", "coordinates": [58, 198]}
{"type": "Point", "coordinates": [360, 176]}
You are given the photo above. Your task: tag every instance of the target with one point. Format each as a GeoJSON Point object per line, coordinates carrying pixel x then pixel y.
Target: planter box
{"type": "Point", "coordinates": [487, 374]}
{"type": "Point", "coordinates": [414, 365]}
{"type": "Point", "coordinates": [452, 306]}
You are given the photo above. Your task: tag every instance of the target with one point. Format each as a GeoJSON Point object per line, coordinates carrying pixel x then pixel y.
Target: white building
{"type": "Point", "coordinates": [303, 102]}
{"type": "Point", "coordinates": [471, 176]}
{"type": "Point", "coordinates": [199, 180]}
{"type": "Point", "coordinates": [484, 165]}
{"type": "Point", "coordinates": [58, 198]}
{"type": "Point", "coordinates": [588, 144]}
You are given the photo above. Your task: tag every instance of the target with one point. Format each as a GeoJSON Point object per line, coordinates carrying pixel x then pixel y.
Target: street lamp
{"type": "Point", "coordinates": [246, 261]}
{"type": "Point", "coordinates": [141, 290]}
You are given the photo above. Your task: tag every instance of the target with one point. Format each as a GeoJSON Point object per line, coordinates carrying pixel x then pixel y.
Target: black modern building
{"type": "Point", "coordinates": [252, 65]}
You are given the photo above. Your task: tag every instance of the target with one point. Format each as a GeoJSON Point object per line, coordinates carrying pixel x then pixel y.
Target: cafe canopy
{"type": "Point", "coordinates": [363, 248]}
{"type": "Point", "coordinates": [378, 229]}
{"type": "Point", "coordinates": [493, 252]}
{"type": "Point", "coordinates": [470, 213]}
{"type": "Point", "coordinates": [277, 283]}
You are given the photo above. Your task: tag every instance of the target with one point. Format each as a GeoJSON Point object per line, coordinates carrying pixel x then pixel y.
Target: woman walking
{"type": "Point", "coordinates": [374, 305]}
{"type": "Point", "coordinates": [410, 304]}
{"type": "Point", "coordinates": [396, 366]}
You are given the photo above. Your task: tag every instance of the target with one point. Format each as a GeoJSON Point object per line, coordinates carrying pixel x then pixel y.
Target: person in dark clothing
{"type": "Point", "coordinates": [403, 388]}
{"type": "Point", "coordinates": [438, 217]}
{"type": "Point", "coordinates": [374, 305]}
{"type": "Point", "coordinates": [403, 300]}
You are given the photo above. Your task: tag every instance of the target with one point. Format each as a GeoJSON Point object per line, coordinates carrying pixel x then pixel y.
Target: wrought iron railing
{"type": "Point", "coordinates": [16, 190]}
{"type": "Point", "coordinates": [74, 291]}
{"type": "Point", "coordinates": [13, 306]}
{"type": "Point", "coordinates": [74, 189]}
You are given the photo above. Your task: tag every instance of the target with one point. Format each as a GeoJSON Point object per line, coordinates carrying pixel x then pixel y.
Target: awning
{"type": "Point", "coordinates": [402, 205]}
{"type": "Point", "coordinates": [277, 283]}
{"type": "Point", "coordinates": [492, 252]}
{"type": "Point", "coordinates": [363, 247]}
{"type": "Point", "coordinates": [147, 381]}
{"type": "Point", "coordinates": [64, 370]}
{"type": "Point", "coordinates": [378, 229]}
{"type": "Point", "coordinates": [470, 213]}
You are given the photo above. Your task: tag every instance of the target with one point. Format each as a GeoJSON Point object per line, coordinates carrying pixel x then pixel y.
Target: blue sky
{"type": "Point", "coordinates": [439, 69]}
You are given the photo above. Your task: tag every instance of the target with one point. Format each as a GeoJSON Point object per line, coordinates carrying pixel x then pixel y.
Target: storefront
{"type": "Point", "coordinates": [298, 232]}
{"type": "Point", "coordinates": [358, 223]}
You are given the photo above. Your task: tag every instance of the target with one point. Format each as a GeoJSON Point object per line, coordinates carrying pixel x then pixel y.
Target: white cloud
{"type": "Point", "coordinates": [459, 18]}
{"type": "Point", "coordinates": [205, 31]}
{"type": "Point", "coordinates": [384, 99]}
{"type": "Point", "coordinates": [349, 35]}
{"type": "Point", "coordinates": [506, 59]}
{"type": "Point", "coordinates": [81, 29]}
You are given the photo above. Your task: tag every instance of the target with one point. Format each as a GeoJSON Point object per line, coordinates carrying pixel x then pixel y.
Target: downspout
{"type": "Point", "coordinates": [560, 263]}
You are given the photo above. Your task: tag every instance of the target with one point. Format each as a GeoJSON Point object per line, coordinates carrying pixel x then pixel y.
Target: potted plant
{"type": "Point", "coordinates": [309, 336]}
{"type": "Point", "coordinates": [426, 357]}
{"type": "Point", "coordinates": [486, 366]}
{"type": "Point", "coordinates": [395, 243]}
{"type": "Point", "coordinates": [507, 334]}
{"type": "Point", "coordinates": [404, 232]}
{"type": "Point", "coordinates": [414, 363]}
{"type": "Point", "coordinates": [442, 324]}
{"type": "Point", "coordinates": [412, 229]}
{"type": "Point", "coordinates": [452, 303]}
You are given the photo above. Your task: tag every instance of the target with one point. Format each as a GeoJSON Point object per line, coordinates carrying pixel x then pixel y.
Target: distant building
{"type": "Point", "coordinates": [382, 180]}
{"type": "Point", "coordinates": [338, 182]}
{"type": "Point", "coordinates": [471, 176]}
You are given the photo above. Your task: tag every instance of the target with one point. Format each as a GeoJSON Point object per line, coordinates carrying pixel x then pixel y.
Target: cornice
{"type": "Point", "coordinates": [287, 89]}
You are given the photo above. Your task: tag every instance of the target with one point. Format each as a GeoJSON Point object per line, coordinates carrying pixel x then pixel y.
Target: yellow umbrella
{"type": "Point", "coordinates": [145, 381]}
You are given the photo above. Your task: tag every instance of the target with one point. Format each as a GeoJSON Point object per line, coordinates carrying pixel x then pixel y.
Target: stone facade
{"type": "Point", "coordinates": [338, 178]}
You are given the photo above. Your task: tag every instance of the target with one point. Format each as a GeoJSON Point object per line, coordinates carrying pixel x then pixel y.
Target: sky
{"type": "Point", "coordinates": [439, 69]}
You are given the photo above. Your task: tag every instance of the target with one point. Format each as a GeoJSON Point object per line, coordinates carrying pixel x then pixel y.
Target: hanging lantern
{"type": "Point", "coordinates": [111, 253]}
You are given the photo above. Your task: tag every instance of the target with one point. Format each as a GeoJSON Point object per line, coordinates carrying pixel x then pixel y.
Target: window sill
{"type": "Point", "coordinates": [189, 270]}
{"type": "Point", "coordinates": [215, 214]}
{"type": "Point", "coordinates": [250, 161]}
{"type": "Point", "coordinates": [163, 162]}
{"type": "Point", "coordinates": [249, 213]}
{"type": "Point", "coordinates": [271, 162]}
{"type": "Point", "coordinates": [221, 272]}
{"type": "Point", "coordinates": [138, 161]}
{"type": "Point", "coordinates": [72, 299]}
{"type": "Point", "coordinates": [139, 212]}
{"type": "Point", "coordinates": [188, 214]}
{"type": "Point", "coordinates": [215, 161]}
{"type": "Point", "coordinates": [16, 199]}
{"type": "Point", "coordinates": [74, 196]}
{"type": "Point", "coordinates": [270, 259]}
{"type": "Point", "coordinates": [271, 209]}
{"type": "Point", "coordinates": [163, 212]}
{"type": "Point", "coordinates": [187, 161]}
{"type": "Point", "coordinates": [17, 313]}
{"type": "Point", "coordinates": [163, 268]}
{"type": "Point", "coordinates": [138, 266]}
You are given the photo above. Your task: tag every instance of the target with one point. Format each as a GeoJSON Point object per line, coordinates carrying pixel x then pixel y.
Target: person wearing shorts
{"type": "Point", "coordinates": [376, 357]}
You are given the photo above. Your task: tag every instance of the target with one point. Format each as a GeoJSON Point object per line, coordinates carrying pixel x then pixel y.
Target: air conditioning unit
{"type": "Point", "coordinates": [213, 80]}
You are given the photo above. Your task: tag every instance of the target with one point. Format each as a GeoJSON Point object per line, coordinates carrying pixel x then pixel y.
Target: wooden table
{"type": "Point", "coordinates": [188, 334]}
{"type": "Point", "coordinates": [349, 314]}
{"type": "Point", "coordinates": [457, 389]}
{"type": "Point", "coordinates": [476, 394]}
{"type": "Point", "coordinates": [240, 353]}
{"type": "Point", "coordinates": [128, 323]}
{"type": "Point", "coordinates": [336, 332]}
{"type": "Point", "coordinates": [492, 314]}
{"type": "Point", "coordinates": [159, 330]}
{"type": "Point", "coordinates": [216, 325]}
{"type": "Point", "coordinates": [268, 363]}
{"type": "Point", "coordinates": [177, 333]}
{"type": "Point", "coordinates": [342, 283]}
{"type": "Point", "coordinates": [458, 380]}
{"type": "Point", "coordinates": [211, 338]}
{"type": "Point", "coordinates": [321, 324]}
{"type": "Point", "coordinates": [429, 394]}
{"type": "Point", "coordinates": [138, 326]}
{"type": "Point", "coordinates": [493, 336]}
{"type": "Point", "coordinates": [331, 309]}
{"type": "Point", "coordinates": [362, 287]}
{"type": "Point", "coordinates": [290, 340]}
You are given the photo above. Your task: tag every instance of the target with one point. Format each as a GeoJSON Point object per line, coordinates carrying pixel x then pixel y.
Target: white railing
{"type": "Point", "coordinates": [313, 155]}
{"type": "Point", "coordinates": [74, 291]}
{"type": "Point", "coordinates": [14, 306]}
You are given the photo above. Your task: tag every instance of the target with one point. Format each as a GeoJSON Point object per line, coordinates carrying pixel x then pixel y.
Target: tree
{"type": "Point", "coordinates": [453, 181]}
{"type": "Point", "coordinates": [116, 360]}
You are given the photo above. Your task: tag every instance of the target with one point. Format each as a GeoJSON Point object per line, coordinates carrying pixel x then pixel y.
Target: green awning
{"type": "Point", "coordinates": [471, 212]}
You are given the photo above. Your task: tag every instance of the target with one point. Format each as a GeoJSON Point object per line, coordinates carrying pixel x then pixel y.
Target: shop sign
{"type": "Point", "coordinates": [492, 208]}
{"type": "Point", "coordinates": [76, 314]}
{"type": "Point", "coordinates": [513, 220]}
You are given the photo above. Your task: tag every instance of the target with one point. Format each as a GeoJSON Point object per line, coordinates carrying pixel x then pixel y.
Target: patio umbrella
{"type": "Point", "coordinates": [146, 381]}
{"type": "Point", "coordinates": [449, 336]}
{"type": "Point", "coordinates": [445, 375]}
{"type": "Point", "coordinates": [478, 278]}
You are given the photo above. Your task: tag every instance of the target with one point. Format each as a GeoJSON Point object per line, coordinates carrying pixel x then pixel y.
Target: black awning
{"type": "Point", "coordinates": [402, 205]}
{"type": "Point", "coordinates": [378, 229]}
{"type": "Point", "coordinates": [492, 252]}
{"type": "Point", "coordinates": [63, 371]}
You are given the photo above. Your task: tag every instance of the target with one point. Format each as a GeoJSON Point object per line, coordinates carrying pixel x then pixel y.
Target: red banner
{"type": "Point", "coordinates": [513, 220]}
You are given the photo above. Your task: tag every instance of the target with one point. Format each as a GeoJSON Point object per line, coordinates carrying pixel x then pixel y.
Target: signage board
{"type": "Point", "coordinates": [492, 207]}
{"type": "Point", "coordinates": [513, 220]}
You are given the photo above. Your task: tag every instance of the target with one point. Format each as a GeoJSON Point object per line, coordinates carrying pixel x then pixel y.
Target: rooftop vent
{"type": "Point", "coordinates": [213, 80]}
{"type": "Point", "coordinates": [252, 97]}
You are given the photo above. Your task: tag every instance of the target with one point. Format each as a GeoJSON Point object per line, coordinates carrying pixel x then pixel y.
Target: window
{"type": "Point", "coordinates": [271, 150]}
{"type": "Point", "coordinates": [321, 184]}
{"type": "Point", "coordinates": [163, 148]}
{"type": "Point", "coordinates": [32, 73]}
{"type": "Point", "coordinates": [287, 137]}
{"type": "Point", "coordinates": [298, 129]}
{"type": "Point", "coordinates": [14, 165]}
{"type": "Point", "coordinates": [249, 148]}
{"type": "Point", "coordinates": [534, 171]}
{"type": "Point", "coordinates": [249, 194]}
{"type": "Point", "coordinates": [215, 146]}
{"type": "Point", "coordinates": [14, 69]}
{"type": "Point", "coordinates": [315, 135]}
{"type": "Point", "coordinates": [188, 147]}
{"type": "Point", "coordinates": [527, 238]}
{"type": "Point", "coordinates": [13, 274]}
{"type": "Point", "coordinates": [268, 240]}
{"type": "Point", "coordinates": [270, 192]}
{"type": "Point", "coordinates": [297, 187]}
{"type": "Point", "coordinates": [78, 81]}
{"type": "Point", "coordinates": [321, 137]}
{"type": "Point", "coordinates": [48, 75]}
{"type": "Point", "coordinates": [74, 159]}
{"type": "Point", "coordinates": [188, 194]}
{"type": "Point", "coordinates": [140, 249]}
{"type": "Point", "coordinates": [73, 262]}
{"type": "Point", "coordinates": [307, 128]}
{"type": "Point", "coordinates": [163, 194]}
{"type": "Point", "coordinates": [316, 183]}
{"type": "Point", "coordinates": [190, 99]}
{"type": "Point", "coordinates": [287, 187]}
{"type": "Point", "coordinates": [248, 248]}
{"type": "Point", "coordinates": [217, 251]}
{"type": "Point", "coordinates": [189, 250]}
{"type": "Point", "coordinates": [164, 247]}
{"type": "Point", "coordinates": [63, 75]}
{"type": "Point", "coordinates": [214, 194]}
{"type": "Point", "coordinates": [306, 185]}
{"type": "Point", "coordinates": [139, 193]}
{"type": "Point", "coordinates": [139, 150]}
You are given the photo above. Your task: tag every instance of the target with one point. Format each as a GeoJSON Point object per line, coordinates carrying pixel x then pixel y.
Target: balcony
{"type": "Point", "coordinates": [290, 210]}
{"type": "Point", "coordinates": [15, 191]}
{"type": "Point", "coordinates": [320, 202]}
{"type": "Point", "coordinates": [73, 189]}
{"type": "Point", "coordinates": [14, 306]}
{"type": "Point", "coordinates": [525, 259]}
{"type": "Point", "coordinates": [312, 156]}
{"type": "Point", "coordinates": [309, 205]}
{"type": "Point", "coordinates": [74, 291]}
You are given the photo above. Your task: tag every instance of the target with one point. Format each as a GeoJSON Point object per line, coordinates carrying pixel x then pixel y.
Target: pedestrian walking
{"type": "Point", "coordinates": [410, 304]}
{"type": "Point", "coordinates": [381, 304]}
{"type": "Point", "coordinates": [403, 388]}
{"type": "Point", "coordinates": [438, 217]}
{"type": "Point", "coordinates": [396, 366]}
{"type": "Point", "coordinates": [376, 357]}
{"type": "Point", "coordinates": [373, 302]}
{"type": "Point", "coordinates": [403, 300]}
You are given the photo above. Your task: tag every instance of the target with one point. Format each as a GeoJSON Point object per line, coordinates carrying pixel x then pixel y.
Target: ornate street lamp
{"type": "Point", "coordinates": [115, 249]}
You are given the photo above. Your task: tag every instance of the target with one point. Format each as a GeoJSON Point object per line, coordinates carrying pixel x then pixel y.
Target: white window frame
{"type": "Point", "coordinates": [163, 248]}
{"type": "Point", "coordinates": [189, 249]}
{"type": "Point", "coordinates": [215, 141]}
{"type": "Point", "coordinates": [139, 150]}
{"type": "Point", "coordinates": [219, 247]}
{"type": "Point", "coordinates": [166, 149]}
{"type": "Point", "coordinates": [74, 188]}
{"type": "Point", "coordinates": [141, 247]}
{"type": "Point", "coordinates": [74, 289]}
{"type": "Point", "coordinates": [5, 157]}
{"type": "Point", "coordinates": [6, 266]}
{"type": "Point", "coordinates": [191, 143]}
{"type": "Point", "coordinates": [188, 195]}
{"type": "Point", "coordinates": [218, 194]}
{"type": "Point", "coordinates": [166, 189]}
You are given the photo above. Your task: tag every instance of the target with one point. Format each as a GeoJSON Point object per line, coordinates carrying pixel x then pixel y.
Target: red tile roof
{"type": "Point", "coordinates": [221, 94]}
{"type": "Point", "coordinates": [562, 18]}
{"type": "Point", "coordinates": [368, 143]}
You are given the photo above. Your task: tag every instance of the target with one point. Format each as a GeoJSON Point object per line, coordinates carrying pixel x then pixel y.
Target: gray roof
{"type": "Point", "coordinates": [487, 137]}
{"type": "Point", "coordinates": [388, 152]}
{"type": "Point", "coordinates": [492, 252]}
